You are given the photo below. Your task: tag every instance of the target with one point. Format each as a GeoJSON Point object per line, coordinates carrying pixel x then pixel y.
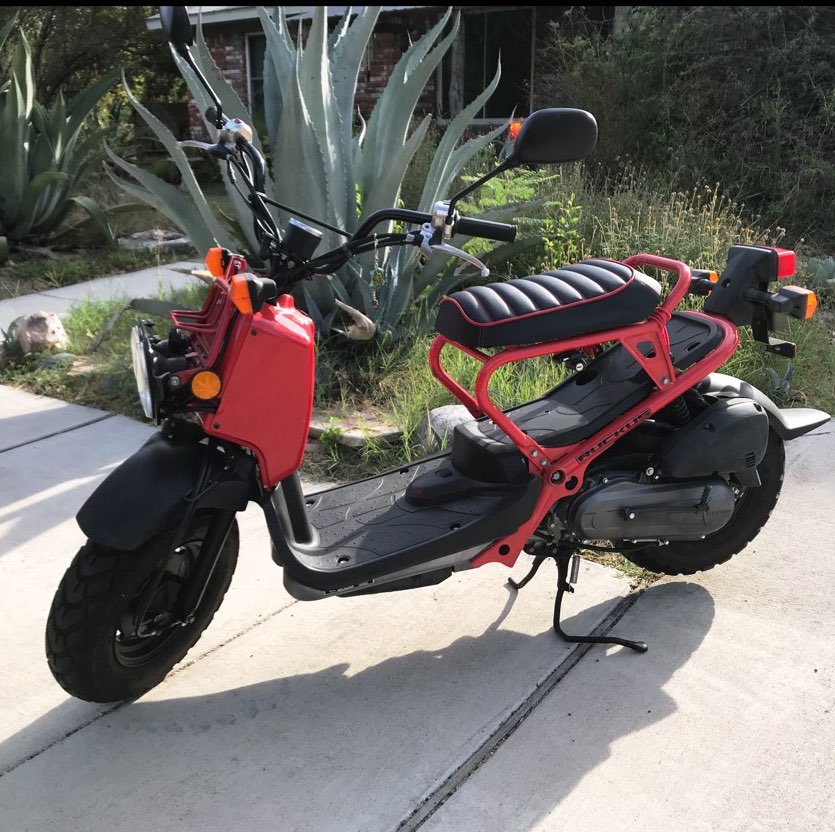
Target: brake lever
{"type": "Point", "coordinates": [233, 130]}
{"type": "Point", "coordinates": [428, 248]}
{"type": "Point", "coordinates": [219, 150]}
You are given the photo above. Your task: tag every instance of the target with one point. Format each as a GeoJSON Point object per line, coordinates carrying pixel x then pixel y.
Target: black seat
{"type": "Point", "coordinates": [585, 297]}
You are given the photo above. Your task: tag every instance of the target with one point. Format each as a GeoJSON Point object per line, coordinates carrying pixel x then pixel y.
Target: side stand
{"type": "Point", "coordinates": [563, 556]}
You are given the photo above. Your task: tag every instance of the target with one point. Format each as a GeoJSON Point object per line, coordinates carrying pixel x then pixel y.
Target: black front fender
{"type": "Point", "coordinates": [787, 422]}
{"type": "Point", "coordinates": [152, 488]}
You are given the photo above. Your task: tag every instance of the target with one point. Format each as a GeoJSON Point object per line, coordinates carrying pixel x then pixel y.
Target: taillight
{"type": "Point", "coordinates": [786, 263]}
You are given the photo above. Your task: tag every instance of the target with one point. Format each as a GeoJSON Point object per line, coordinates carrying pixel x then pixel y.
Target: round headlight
{"type": "Point", "coordinates": [140, 371]}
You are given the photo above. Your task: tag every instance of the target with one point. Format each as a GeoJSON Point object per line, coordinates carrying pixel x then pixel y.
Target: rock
{"type": "Point", "coordinates": [40, 331]}
{"type": "Point", "coordinates": [154, 238]}
{"type": "Point", "coordinates": [352, 428]}
{"type": "Point", "coordinates": [55, 360]}
{"type": "Point", "coordinates": [436, 431]}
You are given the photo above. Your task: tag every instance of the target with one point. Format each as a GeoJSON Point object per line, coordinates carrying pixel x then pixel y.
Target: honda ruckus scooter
{"type": "Point", "coordinates": [643, 449]}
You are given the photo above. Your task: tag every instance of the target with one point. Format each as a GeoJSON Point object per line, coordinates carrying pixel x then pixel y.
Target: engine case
{"type": "Point", "coordinates": [629, 510]}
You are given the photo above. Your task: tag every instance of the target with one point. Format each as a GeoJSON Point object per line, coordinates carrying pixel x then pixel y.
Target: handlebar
{"type": "Point", "coordinates": [484, 228]}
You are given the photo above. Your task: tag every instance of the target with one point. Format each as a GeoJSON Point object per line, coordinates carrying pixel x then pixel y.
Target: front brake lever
{"type": "Point", "coordinates": [428, 248]}
{"type": "Point", "coordinates": [219, 150]}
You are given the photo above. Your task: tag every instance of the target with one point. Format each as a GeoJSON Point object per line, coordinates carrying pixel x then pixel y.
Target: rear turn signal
{"type": "Point", "coordinates": [796, 301]}
{"type": "Point", "coordinates": [206, 385]}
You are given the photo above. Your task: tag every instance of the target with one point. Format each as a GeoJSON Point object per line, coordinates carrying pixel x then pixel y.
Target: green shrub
{"type": "Point", "coordinates": [45, 152]}
{"type": "Point", "coordinates": [741, 95]}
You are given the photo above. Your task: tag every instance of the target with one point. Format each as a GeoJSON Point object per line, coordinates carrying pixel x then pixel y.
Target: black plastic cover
{"type": "Point", "coordinates": [558, 134]}
{"type": "Point", "coordinates": [748, 267]}
{"type": "Point", "coordinates": [148, 491]}
{"type": "Point", "coordinates": [730, 436]}
{"type": "Point", "coordinates": [787, 423]}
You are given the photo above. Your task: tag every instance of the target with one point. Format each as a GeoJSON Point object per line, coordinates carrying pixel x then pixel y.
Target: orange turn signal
{"type": "Point", "coordinates": [239, 292]}
{"type": "Point", "coordinates": [713, 277]}
{"type": "Point", "coordinates": [806, 302]}
{"type": "Point", "coordinates": [206, 385]}
{"type": "Point", "coordinates": [214, 262]}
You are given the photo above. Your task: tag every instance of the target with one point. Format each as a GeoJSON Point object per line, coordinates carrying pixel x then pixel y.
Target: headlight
{"type": "Point", "coordinates": [139, 353]}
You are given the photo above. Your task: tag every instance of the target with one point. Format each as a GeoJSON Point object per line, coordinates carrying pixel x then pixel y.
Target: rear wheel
{"type": "Point", "coordinates": [753, 507]}
{"type": "Point", "coordinates": [114, 630]}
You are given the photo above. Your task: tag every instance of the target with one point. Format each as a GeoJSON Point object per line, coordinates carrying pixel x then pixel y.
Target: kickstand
{"type": "Point", "coordinates": [563, 556]}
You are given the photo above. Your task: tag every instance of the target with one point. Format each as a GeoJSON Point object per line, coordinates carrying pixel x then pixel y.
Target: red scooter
{"type": "Point", "coordinates": [644, 449]}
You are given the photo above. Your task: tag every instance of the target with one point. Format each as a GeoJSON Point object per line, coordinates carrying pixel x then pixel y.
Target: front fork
{"type": "Point", "coordinates": [207, 560]}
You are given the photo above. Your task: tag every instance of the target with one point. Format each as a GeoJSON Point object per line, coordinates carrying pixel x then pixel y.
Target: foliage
{"type": "Point", "coordinates": [321, 168]}
{"type": "Point", "coordinates": [741, 95]}
{"type": "Point", "coordinates": [69, 51]}
{"type": "Point", "coordinates": [45, 152]}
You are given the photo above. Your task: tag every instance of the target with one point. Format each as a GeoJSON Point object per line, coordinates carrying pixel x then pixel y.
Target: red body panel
{"type": "Point", "coordinates": [267, 398]}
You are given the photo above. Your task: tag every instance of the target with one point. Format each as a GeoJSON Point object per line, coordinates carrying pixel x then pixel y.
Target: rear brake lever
{"type": "Point", "coordinates": [428, 248]}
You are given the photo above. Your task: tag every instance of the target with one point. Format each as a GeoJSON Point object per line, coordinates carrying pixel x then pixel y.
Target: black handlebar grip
{"type": "Point", "coordinates": [211, 114]}
{"type": "Point", "coordinates": [484, 228]}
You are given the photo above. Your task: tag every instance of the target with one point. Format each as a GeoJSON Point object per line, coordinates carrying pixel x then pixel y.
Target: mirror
{"type": "Point", "coordinates": [559, 134]}
{"type": "Point", "coordinates": [177, 27]}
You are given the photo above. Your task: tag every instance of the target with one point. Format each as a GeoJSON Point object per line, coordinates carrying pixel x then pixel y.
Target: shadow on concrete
{"type": "Point", "coordinates": [606, 697]}
{"type": "Point", "coordinates": [337, 748]}
{"type": "Point", "coordinates": [43, 483]}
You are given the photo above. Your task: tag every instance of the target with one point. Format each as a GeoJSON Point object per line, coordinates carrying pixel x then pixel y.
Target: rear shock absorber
{"type": "Point", "coordinates": [676, 412]}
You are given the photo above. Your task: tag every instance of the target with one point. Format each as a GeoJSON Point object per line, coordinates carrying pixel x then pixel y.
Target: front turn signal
{"type": "Point", "coordinates": [215, 261]}
{"type": "Point", "coordinates": [206, 385]}
{"type": "Point", "coordinates": [239, 293]}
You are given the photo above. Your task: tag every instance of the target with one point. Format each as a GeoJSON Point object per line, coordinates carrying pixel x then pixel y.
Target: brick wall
{"type": "Point", "coordinates": [229, 53]}
{"type": "Point", "coordinates": [389, 41]}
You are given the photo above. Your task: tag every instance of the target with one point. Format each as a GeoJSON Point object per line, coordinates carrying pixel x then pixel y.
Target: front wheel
{"type": "Point", "coordinates": [114, 628]}
{"type": "Point", "coordinates": [753, 507]}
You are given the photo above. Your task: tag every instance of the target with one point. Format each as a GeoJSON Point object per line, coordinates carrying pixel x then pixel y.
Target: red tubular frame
{"type": "Point", "coordinates": [563, 469]}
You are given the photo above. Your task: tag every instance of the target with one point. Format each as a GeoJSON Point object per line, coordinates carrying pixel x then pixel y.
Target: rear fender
{"type": "Point", "coordinates": [787, 422]}
{"type": "Point", "coordinates": [152, 488]}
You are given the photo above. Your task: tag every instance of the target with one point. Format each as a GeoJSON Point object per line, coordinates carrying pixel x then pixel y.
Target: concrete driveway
{"type": "Point", "coordinates": [452, 707]}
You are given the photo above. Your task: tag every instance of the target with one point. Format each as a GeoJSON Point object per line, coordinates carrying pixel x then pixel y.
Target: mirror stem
{"type": "Point", "coordinates": [508, 163]}
{"type": "Point", "coordinates": [185, 53]}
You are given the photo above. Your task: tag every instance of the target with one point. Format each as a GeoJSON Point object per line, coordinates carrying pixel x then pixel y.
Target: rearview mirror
{"type": "Point", "coordinates": [559, 134]}
{"type": "Point", "coordinates": [177, 27]}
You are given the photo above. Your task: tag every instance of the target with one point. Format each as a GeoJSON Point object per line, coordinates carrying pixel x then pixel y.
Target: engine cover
{"type": "Point", "coordinates": [628, 510]}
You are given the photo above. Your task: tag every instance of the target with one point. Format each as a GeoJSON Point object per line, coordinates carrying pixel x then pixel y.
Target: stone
{"type": "Point", "coordinates": [39, 332]}
{"type": "Point", "coordinates": [55, 360]}
{"type": "Point", "coordinates": [352, 428]}
{"type": "Point", "coordinates": [154, 238]}
{"type": "Point", "coordinates": [436, 431]}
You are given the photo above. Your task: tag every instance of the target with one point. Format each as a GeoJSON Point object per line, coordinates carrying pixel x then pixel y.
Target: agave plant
{"type": "Point", "coordinates": [320, 167]}
{"type": "Point", "coordinates": [45, 155]}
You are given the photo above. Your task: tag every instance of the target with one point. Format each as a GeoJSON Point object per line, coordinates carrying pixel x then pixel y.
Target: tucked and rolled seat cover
{"type": "Point", "coordinates": [585, 297]}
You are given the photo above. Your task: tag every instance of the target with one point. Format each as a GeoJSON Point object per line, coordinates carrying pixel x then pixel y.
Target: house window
{"type": "Point", "coordinates": [469, 66]}
{"type": "Point", "coordinates": [256, 46]}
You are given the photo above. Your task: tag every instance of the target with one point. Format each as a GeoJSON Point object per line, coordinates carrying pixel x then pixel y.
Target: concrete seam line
{"type": "Point", "coordinates": [58, 433]}
{"type": "Point", "coordinates": [8, 769]}
{"type": "Point", "coordinates": [438, 796]}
